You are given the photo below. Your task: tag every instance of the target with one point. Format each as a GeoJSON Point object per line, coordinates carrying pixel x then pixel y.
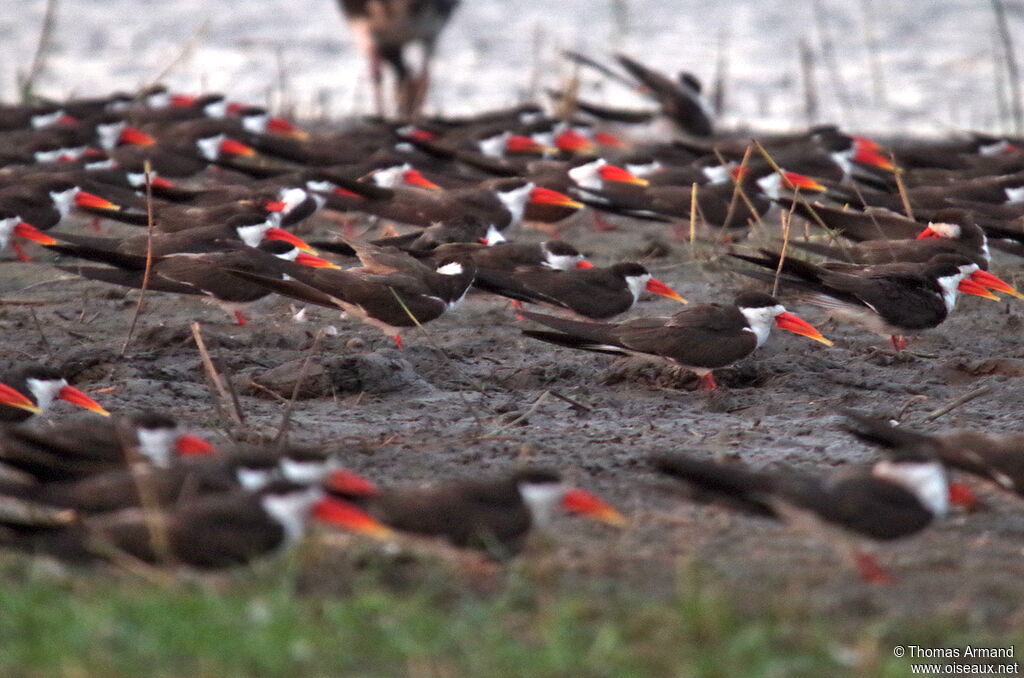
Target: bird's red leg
{"type": "Point", "coordinates": [898, 342]}
{"type": "Point", "coordinates": [240, 318]}
{"type": "Point", "coordinates": [517, 306]}
{"type": "Point", "coordinates": [95, 223]}
{"type": "Point", "coordinates": [961, 494]}
{"type": "Point", "coordinates": [348, 228]}
{"type": "Point", "coordinates": [602, 224]}
{"type": "Point", "coordinates": [398, 342]}
{"type": "Point", "coordinates": [708, 383]}
{"type": "Point", "coordinates": [19, 252]}
{"type": "Point", "coordinates": [870, 570]}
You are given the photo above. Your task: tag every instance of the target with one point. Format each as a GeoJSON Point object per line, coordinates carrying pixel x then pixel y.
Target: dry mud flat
{"type": "Point", "coordinates": [469, 395]}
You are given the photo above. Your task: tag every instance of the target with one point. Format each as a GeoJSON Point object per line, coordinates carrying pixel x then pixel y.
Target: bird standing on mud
{"type": "Point", "coordinates": [399, 33]}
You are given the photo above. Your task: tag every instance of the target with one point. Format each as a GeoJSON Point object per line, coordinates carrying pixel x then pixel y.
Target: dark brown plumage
{"type": "Point", "coordinates": [391, 291]}
{"type": "Point", "coordinates": [700, 339]}
{"type": "Point", "coordinates": [596, 293]}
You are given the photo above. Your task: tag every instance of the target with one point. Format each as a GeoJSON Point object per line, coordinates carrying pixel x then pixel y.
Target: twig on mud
{"type": "Point", "coordinates": [693, 218]}
{"type": "Point", "coordinates": [63, 278]}
{"type": "Point", "coordinates": [269, 392]}
{"type": "Point", "coordinates": [24, 302]}
{"type": "Point", "coordinates": [577, 405]}
{"type": "Point", "coordinates": [236, 404]}
{"type": "Point", "coordinates": [737, 191]}
{"type": "Point", "coordinates": [153, 517]}
{"type": "Point", "coordinates": [147, 170]}
{"type": "Point", "coordinates": [910, 403]}
{"type": "Point", "coordinates": [24, 512]}
{"type": "Point", "coordinates": [42, 336]}
{"type": "Point", "coordinates": [286, 418]}
{"type": "Point", "coordinates": [521, 417]}
{"type": "Point", "coordinates": [797, 198]}
{"type": "Point", "coordinates": [217, 389]}
{"type": "Point", "coordinates": [965, 398]}
{"type": "Point", "coordinates": [787, 219]}
{"type": "Point", "coordinates": [901, 187]}
{"type": "Point", "coordinates": [132, 565]}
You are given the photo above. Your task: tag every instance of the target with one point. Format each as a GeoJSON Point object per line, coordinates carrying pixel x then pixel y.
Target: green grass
{"type": "Point", "coordinates": [255, 625]}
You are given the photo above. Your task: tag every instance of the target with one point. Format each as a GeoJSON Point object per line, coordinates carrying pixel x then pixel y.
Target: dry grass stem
{"type": "Point", "coordinates": [148, 171]}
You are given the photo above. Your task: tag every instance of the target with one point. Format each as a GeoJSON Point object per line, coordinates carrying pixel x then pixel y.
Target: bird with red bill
{"type": "Point", "coordinates": [869, 152]}
{"type": "Point", "coordinates": [894, 300]}
{"type": "Point", "coordinates": [93, 201]}
{"type": "Point", "coordinates": [346, 516]}
{"type": "Point", "coordinates": [616, 173]}
{"type": "Point", "coordinates": [229, 146]}
{"type": "Point", "coordinates": [275, 233]}
{"type": "Point", "coordinates": [283, 127]}
{"type": "Point", "coordinates": [12, 227]}
{"type": "Point", "coordinates": [495, 514]}
{"type": "Point", "coordinates": [545, 196]}
{"type": "Point", "coordinates": [571, 141]}
{"type": "Point", "coordinates": [987, 280]}
{"type": "Point", "coordinates": [205, 274]}
{"type": "Point", "coordinates": [699, 339]}
{"type": "Point", "coordinates": [414, 177]}
{"type": "Point", "coordinates": [587, 292]}
{"type": "Point", "coordinates": [33, 390]}
{"type": "Point", "coordinates": [133, 136]}
{"type": "Point", "coordinates": [519, 144]}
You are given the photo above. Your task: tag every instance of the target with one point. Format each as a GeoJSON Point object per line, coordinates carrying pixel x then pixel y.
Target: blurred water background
{"type": "Point", "coordinates": [917, 66]}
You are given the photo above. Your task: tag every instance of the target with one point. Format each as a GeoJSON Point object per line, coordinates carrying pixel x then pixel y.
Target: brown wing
{"type": "Point", "coordinates": [690, 346]}
{"type": "Point", "coordinates": [858, 226]}
{"type": "Point", "coordinates": [466, 516]}
{"type": "Point", "coordinates": [119, 488]}
{"type": "Point", "coordinates": [902, 299]}
{"type": "Point", "coordinates": [393, 299]}
{"type": "Point", "coordinates": [217, 531]}
{"type": "Point", "coordinates": [417, 207]}
{"type": "Point", "coordinates": [65, 452]}
{"type": "Point", "coordinates": [709, 335]}
{"type": "Point", "coordinates": [220, 531]}
{"type": "Point", "coordinates": [868, 506]}
{"type": "Point", "coordinates": [913, 251]}
{"type": "Point", "coordinates": [509, 256]}
{"type": "Point", "coordinates": [383, 260]}
{"type": "Point", "coordinates": [998, 459]}
{"type": "Point", "coordinates": [388, 298]}
{"type": "Point", "coordinates": [590, 293]}
{"type": "Point", "coordinates": [208, 274]}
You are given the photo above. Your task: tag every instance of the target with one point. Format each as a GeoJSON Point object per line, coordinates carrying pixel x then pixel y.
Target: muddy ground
{"type": "Point", "coordinates": [469, 395]}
